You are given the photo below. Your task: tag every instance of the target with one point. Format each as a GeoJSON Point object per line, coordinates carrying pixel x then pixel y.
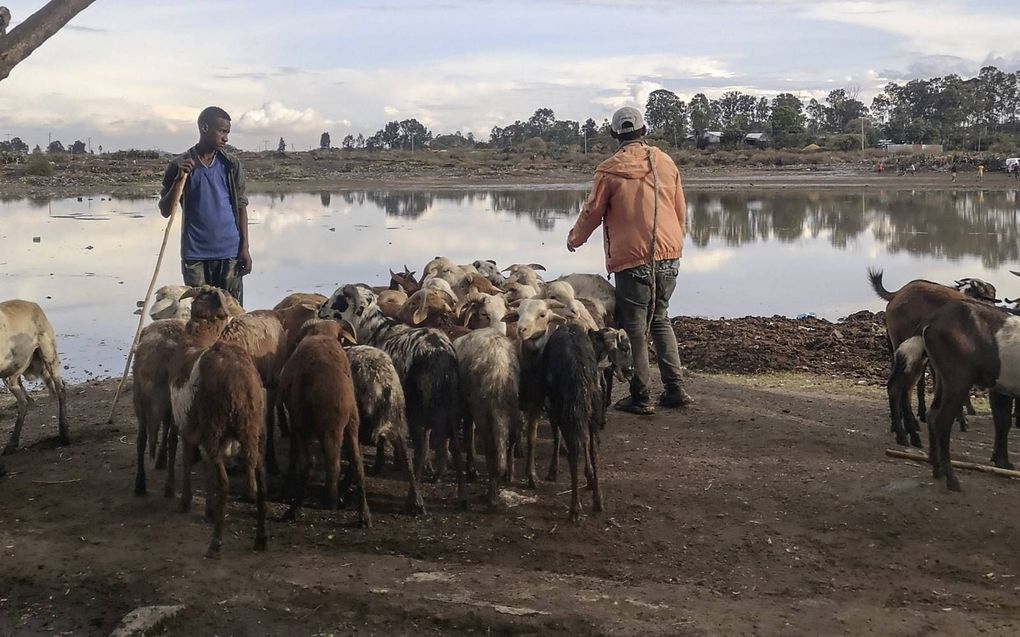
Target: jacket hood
{"type": "Point", "coordinates": [629, 162]}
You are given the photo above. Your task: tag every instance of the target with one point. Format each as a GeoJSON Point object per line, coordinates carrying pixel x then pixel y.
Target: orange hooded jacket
{"type": "Point", "coordinates": [623, 199]}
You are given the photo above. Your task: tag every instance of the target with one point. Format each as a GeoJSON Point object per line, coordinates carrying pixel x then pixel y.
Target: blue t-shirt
{"type": "Point", "coordinates": [210, 231]}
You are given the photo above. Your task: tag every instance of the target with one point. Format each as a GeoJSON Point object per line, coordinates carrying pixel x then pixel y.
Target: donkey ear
{"type": "Point", "coordinates": [598, 342]}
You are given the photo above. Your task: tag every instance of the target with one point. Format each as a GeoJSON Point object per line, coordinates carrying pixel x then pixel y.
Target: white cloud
{"type": "Point", "coordinates": [275, 116]}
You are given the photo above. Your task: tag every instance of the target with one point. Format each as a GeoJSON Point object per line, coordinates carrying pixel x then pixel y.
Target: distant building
{"type": "Point", "coordinates": [710, 137]}
{"type": "Point", "coordinates": [758, 140]}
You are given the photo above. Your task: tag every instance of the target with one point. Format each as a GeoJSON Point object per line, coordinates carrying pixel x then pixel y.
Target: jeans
{"type": "Point", "coordinates": [220, 273]}
{"type": "Point", "coordinates": [633, 297]}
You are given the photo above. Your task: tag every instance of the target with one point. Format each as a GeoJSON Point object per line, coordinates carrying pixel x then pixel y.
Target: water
{"type": "Point", "coordinates": [755, 253]}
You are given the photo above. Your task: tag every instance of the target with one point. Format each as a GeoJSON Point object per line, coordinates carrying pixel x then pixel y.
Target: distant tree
{"type": "Point", "coordinates": [702, 116]}
{"type": "Point", "coordinates": [37, 150]}
{"type": "Point", "coordinates": [590, 128]}
{"type": "Point", "coordinates": [541, 123]}
{"type": "Point", "coordinates": [55, 147]}
{"type": "Point", "coordinates": [359, 141]}
{"type": "Point", "coordinates": [536, 145]}
{"type": "Point", "coordinates": [100, 149]}
{"type": "Point", "coordinates": [18, 146]}
{"type": "Point", "coordinates": [324, 140]}
{"type": "Point", "coordinates": [666, 115]}
{"type": "Point", "coordinates": [348, 142]}
{"type": "Point", "coordinates": [77, 148]}
{"type": "Point", "coordinates": [282, 146]}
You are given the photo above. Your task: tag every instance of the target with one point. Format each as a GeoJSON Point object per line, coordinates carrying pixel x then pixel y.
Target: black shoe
{"type": "Point", "coordinates": [632, 405]}
{"type": "Point", "coordinates": [675, 398]}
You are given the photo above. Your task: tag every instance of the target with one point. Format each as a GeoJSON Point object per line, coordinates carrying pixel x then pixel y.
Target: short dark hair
{"type": "Point", "coordinates": [210, 114]}
{"type": "Point", "coordinates": [630, 135]}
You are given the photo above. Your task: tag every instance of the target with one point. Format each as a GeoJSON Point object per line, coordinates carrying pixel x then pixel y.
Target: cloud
{"type": "Point", "coordinates": [275, 116]}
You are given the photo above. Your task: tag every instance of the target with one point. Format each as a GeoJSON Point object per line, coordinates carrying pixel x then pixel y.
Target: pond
{"type": "Point", "coordinates": [785, 252]}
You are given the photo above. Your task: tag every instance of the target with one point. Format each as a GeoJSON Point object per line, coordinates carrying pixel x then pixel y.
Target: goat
{"type": "Point", "coordinates": [519, 291]}
{"type": "Point", "coordinates": [404, 281]}
{"type": "Point", "coordinates": [490, 376]}
{"type": "Point", "coordinates": [317, 389]}
{"type": "Point", "coordinates": [391, 302]}
{"type": "Point", "coordinates": [426, 362]}
{"type": "Point", "coordinates": [525, 274]}
{"type": "Point", "coordinates": [217, 400]}
{"type": "Point", "coordinates": [967, 343]}
{"type": "Point", "coordinates": [28, 349]}
{"type": "Point", "coordinates": [536, 321]}
{"type": "Point", "coordinates": [576, 406]}
{"type": "Point", "coordinates": [480, 310]}
{"type": "Point", "coordinates": [905, 314]}
{"type": "Point", "coordinates": [428, 307]}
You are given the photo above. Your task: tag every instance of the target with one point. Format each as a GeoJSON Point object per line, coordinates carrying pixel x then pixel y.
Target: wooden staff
{"type": "Point", "coordinates": [960, 464]}
{"type": "Point", "coordinates": [175, 203]}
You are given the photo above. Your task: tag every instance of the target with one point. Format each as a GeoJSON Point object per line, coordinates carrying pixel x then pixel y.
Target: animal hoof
{"type": "Point", "coordinates": [550, 477]}
{"type": "Point", "coordinates": [260, 543]}
{"type": "Point", "coordinates": [915, 440]}
{"type": "Point", "coordinates": [288, 516]}
{"type": "Point", "coordinates": [415, 506]}
{"type": "Point", "coordinates": [213, 552]}
{"type": "Point", "coordinates": [9, 450]}
{"type": "Point", "coordinates": [901, 439]}
{"type": "Point", "coordinates": [953, 484]}
{"type": "Point", "coordinates": [471, 475]}
{"type": "Point", "coordinates": [1003, 464]}
{"type": "Point", "coordinates": [365, 522]}
{"type": "Point", "coordinates": [63, 441]}
{"type": "Point", "coordinates": [184, 506]}
{"type": "Point", "coordinates": [140, 489]}
{"type": "Point", "coordinates": [575, 517]}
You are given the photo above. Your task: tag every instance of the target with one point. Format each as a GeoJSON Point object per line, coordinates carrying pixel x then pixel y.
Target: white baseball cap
{"type": "Point", "coordinates": [627, 120]}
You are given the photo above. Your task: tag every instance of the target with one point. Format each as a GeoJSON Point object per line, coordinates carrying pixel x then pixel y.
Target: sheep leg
{"type": "Point", "coordinates": [415, 504]}
{"type": "Point", "coordinates": [141, 443]}
{"type": "Point", "coordinates": [331, 451]}
{"type": "Point", "coordinates": [530, 461]}
{"type": "Point", "coordinates": [470, 449]}
{"type": "Point", "coordinates": [354, 452]}
{"type": "Point", "coordinates": [210, 495]}
{"type": "Point", "coordinates": [22, 397]}
{"type": "Point", "coordinates": [171, 460]}
{"type": "Point", "coordinates": [961, 418]}
{"type": "Point", "coordinates": [168, 423]}
{"type": "Point", "coordinates": [554, 461]}
{"type": "Point", "coordinates": [260, 509]}
{"type": "Point", "coordinates": [458, 467]}
{"type": "Point", "coordinates": [380, 456]}
{"type": "Point", "coordinates": [593, 455]}
{"type": "Point", "coordinates": [187, 458]}
{"type": "Point", "coordinates": [281, 420]}
{"type": "Point", "coordinates": [271, 466]}
{"type": "Point", "coordinates": [572, 459]}
{"type": "Point", "coordinates": [222, 485]}
{"type": "Point", "coordinates": [922, 412]}
{"type": "Point", "coordinates": [420, 452]}
{"type": "Point", "coordinates": [493, 454]}
{"type": "Point", "coordinates": [969, 406]}
{"type": "Point", "coordinates": [304, 474]}
{"type": "Point", "coordinates": [945, 406]}
{"type": "Point", "coordinates": [61, 392]}
{"type": "Point", "coordinates": [1002, 406]}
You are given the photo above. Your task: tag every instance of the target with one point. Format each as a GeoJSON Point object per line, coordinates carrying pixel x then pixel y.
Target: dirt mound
{"type": "Point", "coordinates": [854, 347]}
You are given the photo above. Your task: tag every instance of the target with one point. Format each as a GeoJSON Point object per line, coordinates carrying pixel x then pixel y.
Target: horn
{"type": "Point", "coordinates": [536, 266]}
{"type": "Point", "coordinates": [1014, 272]}
{"type": "Point", "coordinates": [192, 292]}
{"type": "Point", "coordinates": [347, 330]}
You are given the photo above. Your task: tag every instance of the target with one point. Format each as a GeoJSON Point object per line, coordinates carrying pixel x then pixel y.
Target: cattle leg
{"type": "Point", "coordinates": [222, 484]}
{"type": "Point", "coordinates": [554, 461]}
{"type": "Point", "coordinates": [573, 459]}
{"type": "Point", "coordinates": [593, 458]}
{"type": "Point", "coordinates": [22, 397]}
{"type": "Point", "coordinates": [415, 504]}
{"type": "Point", "coordinates": [354, 453]}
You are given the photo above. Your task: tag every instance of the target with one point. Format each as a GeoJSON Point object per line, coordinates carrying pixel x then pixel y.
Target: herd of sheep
{"type": "Point", "coordinates": [427, 364]}
{"type": "Point", "coordinates": [424, 364]}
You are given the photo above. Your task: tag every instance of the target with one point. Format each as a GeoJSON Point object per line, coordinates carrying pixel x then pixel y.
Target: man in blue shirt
{"type": "Point", "coordinates": [214, 233]}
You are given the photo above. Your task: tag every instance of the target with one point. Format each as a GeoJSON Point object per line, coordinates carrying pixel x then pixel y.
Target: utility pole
{"type": "Point", "coordinates": [90, 145]}
{"type": "Point", "coordinates": [585, 143]}
{"type": "Point", "coordinates": [412, 142]}
{"type": "Point", "coordinates": [862, 133]}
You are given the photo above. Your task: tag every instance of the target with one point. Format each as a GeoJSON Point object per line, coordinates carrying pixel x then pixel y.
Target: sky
{"type": "Point", "coordinates": [135, 73]}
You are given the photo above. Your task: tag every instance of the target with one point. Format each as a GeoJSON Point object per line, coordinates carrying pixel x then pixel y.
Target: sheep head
{"type": "Point", "coordinates": [613, 349]}
{"type": "Point", "coordinates": [404, 281]}
{"type": "Point", "coordinates": [978, 289]}
{"type": "Point", "coordinates": [426, 302]}
{"type": "Point", "coordinates": [519, 291]}
{"type": "Point", "coordinates": [488, 309]}
{"type": "Point", "coordinates": [349, 303]}
{"type": "Point", "coordinates": [535, 318]}
{"type": "Point", "coordinates": [559, 290]}
{"type": "Point", "coordinates": [340, 330]}
{"type": "Point", "coordinates": [209, 303]}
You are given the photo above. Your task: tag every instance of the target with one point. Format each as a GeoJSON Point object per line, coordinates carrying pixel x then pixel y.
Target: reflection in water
{"type": "Point", "coordinates": [761, 253]}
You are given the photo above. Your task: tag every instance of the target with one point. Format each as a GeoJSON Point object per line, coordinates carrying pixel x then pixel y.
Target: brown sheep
{"type": "Point", "coordinates": [318, 392]}
{"type": "Point", "coordinates": [218, 401]}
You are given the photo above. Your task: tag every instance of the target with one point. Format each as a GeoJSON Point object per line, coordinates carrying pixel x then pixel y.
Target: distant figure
{"type": "Point", "coordinates": [214, 233]}
{"type": "Point", "coordinates": [638, 198]}
{"type": "Point", "coordinates": [1015, 170]}
{"type": "Point", "coordinates": [952, 171]}
{"type": "Point", "coordinates": [981, 171]}
{"type": "Point", "coordinates": [5, 21]}
{"type": "Point", "coordinates": [913, 169]}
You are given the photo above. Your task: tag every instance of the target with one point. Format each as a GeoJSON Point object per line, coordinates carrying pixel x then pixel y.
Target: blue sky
{"type": "Point", "coordinates": [135, 73]}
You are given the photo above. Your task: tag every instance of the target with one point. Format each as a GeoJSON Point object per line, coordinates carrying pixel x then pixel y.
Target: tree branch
{"type": "Point", "coordinates": [36, 29]}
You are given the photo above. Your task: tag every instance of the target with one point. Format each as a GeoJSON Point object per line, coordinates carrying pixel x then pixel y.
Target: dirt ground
{"type": "Point", "coordinates": [315, 171]}
{"type": "Point", "coordinates": [766, 509]}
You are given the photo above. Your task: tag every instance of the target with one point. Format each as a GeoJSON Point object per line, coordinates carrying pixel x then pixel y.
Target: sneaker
{"type": "Point", "coordinates": [634, 406]}
{"type": "Point", "coordinates": [675, 398]}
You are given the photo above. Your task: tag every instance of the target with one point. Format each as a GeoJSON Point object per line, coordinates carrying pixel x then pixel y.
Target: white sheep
{"type": "Point", "coordinates": [28, 349]}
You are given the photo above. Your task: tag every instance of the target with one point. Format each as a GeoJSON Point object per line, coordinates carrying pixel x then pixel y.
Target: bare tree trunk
{"type": "Point", "coordinates": [36, 29]}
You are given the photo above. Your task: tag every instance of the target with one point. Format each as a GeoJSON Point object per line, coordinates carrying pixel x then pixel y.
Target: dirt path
{"type": "Point", "coordinates": [768, 509]}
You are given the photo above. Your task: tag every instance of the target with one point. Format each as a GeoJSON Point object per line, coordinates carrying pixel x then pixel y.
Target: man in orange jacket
{"type": "Point", "coordinates": [638, 199]}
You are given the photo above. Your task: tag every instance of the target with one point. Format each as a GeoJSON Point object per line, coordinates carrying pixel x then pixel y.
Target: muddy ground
{"type": "Point", "coordinates": [86, 175]}
{"type": "Point", "coordinates": [766, 509]}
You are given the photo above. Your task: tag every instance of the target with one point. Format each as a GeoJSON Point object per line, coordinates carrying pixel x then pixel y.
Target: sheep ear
{"type": "Point", "coordinates": [598, 341]}
{"type": "Point", "coordinates": [310, 306]}
{"type": "Point", "coordinates": [490, 261]}
{"type": "Point", "coordinates": [557, 318]}
{"type": "Point", "coordinates": [510, 267]}
{"type": "Point", "coordinates": [1014, 272]}
{"type": "Point", "coordinates": [190, 293]}
{"type": "Point", "coordinates": [536, 266]}
{"type": "Point", "coordinates": [555, 305]}
{"type": "Point", "coordinates": [420, 314]}
{"type": "Point", "coordinates": [515, 303]}
{"type": "Point", "coordinates": [449, 300]}
{"type": "Point", "coordinates": [511, 317]}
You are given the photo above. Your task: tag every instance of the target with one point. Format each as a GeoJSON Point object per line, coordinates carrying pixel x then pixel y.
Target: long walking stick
{"type": "Point", "coordinates": [175, 203]}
